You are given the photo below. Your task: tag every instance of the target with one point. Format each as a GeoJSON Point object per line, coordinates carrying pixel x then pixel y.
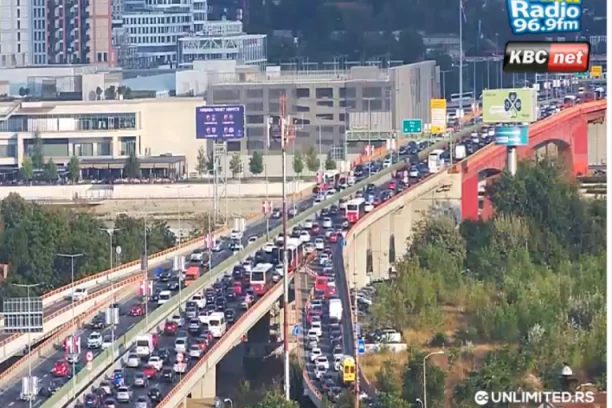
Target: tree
{"type": "Point", "coordinates": [110, 93]}
{"type": "Point", "coordinates": [210, 163]}
{"type": "Point", "coordinates": [330, 163]}
{"type": "Point", "coordinates": [312, 160]}
{"type": "Point", "coordinates": [99, 93]}
{"type": "Point", "coordinates": [274, 399]}
{"type": "Point", "coordinates": [51, 170]}
{"type": "Point", "coordinates": [22, 92]}
{"type": "Point", "coordinates": [201, 163]}
{"type": "Point", "coordinates": [390, 400]}
{"type": "Point", "coordinates": [298, 163]}
{"type": "Point", "coordinates": [131, 169]}
{"type": "Point", "coordinates": [413, 381]}
{"type": "Point", "coordinates": [235, 164]}
{"type": "Point", "coordinates": [256, 165]}
{"type": "Point", "coordinates": [74, 169]}
{"type": "Point", "coordinates": [27, 170]}
{"type": "Point", "coordinates": [38, 159]}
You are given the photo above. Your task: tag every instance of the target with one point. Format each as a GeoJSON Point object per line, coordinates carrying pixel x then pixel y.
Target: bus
{"type": "Point", "coordinates": [295, 250]}
{"type": "Point", "coordinates": [191, 274]}
{"type": "Point", "coordinates": [260, 278]}
{"type": "Point", "coordinates": [435, 162]}
{"type": "Point", "coordinates": [355, 209]}
{"type": "Point", "coordinates": [348, 370]}
{"type": "Point", "coordinates": [217, 324]}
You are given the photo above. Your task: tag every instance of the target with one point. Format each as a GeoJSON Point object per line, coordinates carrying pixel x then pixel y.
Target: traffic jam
{"type": "Point", "coordinates": [158, 360]}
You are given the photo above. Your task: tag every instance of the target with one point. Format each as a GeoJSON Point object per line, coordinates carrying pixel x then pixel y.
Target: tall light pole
{"type": "Point", "coordinates": [433, 353]}
{"type": "Point", "coordinates": [285, 130]}
{"type": "Point", "coordinates": [178, 209]}
{"type": "Point", "coordinates": [369, 100]}
{"type": "Point", "coordinates": [461, 14]}
{"type": "Point", "coordinates": [28, 287]}
{"type": "Point", "coordinates": [420, 401]}
{"type": "Point", "coordinates": [268, 126]}
{"type": "Point", "coordinates": [145, 271]}
{"type": "Point", "coordinates": [74, 325]}
{"type": "Point", "coordinates": [111, 232]}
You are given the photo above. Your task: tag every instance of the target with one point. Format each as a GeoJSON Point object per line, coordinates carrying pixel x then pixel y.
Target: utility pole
{"type": "Point", "coordinates": [111, 232]}
{"type": "Point", "coordinates": [28, 287]}
{"type": "Point", "coordinates": [74, 325]}
{"type": "Point", "coordinates": [286, 134]}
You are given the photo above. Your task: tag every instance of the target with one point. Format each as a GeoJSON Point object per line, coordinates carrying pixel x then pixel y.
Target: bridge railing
{"type": "Point", "coordinates": [62, 331]}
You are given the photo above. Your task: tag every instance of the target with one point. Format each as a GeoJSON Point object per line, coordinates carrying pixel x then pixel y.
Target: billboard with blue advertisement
{"type": "Point", "coordinates": [220, 122]}
{"type": "Point", "coordinates": [512, 135]}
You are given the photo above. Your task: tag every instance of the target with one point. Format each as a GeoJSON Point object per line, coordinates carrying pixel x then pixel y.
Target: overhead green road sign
{"type": "Point", "coordinates": [412, 126]}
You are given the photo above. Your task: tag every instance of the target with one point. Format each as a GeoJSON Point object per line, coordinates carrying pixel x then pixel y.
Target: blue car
{"type": "Point", "coordinates": [118, 378]}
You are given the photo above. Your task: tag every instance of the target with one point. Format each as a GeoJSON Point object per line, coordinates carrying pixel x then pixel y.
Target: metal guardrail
{"type": "Point", "coordinates": [64, 330]}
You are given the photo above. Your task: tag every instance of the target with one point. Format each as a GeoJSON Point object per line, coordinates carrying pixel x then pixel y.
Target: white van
{"type": "Point", "coordinates": [164, 296]}
{"type": "Point", "coordinates": [217, 324]}
{"type": "Point", "coordinates": [460, 152]}
{"type": "Point", "coordinates": [435, 162]}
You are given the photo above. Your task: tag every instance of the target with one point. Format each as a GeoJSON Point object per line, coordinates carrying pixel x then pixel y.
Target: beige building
{"type": "Point", "coordinates": [102, 133]}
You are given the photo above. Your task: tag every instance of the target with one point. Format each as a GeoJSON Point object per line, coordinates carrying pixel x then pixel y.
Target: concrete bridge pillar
{"type": "Point", "coordinates": [356, 259]}
{"type": "Point", "coordinates": [206, 388]}
{"type": "Point", "coordinates": [379, 242]}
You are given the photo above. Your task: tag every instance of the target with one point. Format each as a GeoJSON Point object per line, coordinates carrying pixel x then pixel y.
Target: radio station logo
{"type": "Point", "coordinates": [541, 57]}
{"type": "Point", "coordinates": [544, 16]}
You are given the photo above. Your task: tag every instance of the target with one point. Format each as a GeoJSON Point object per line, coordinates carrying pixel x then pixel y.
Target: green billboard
{"type": "Point", "coordinates": [509, 105]}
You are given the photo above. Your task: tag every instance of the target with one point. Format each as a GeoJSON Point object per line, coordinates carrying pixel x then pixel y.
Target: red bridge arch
{"type": "Point", "coordinates": [567, 130]}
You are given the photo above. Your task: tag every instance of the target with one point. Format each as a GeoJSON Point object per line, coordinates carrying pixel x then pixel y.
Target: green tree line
{"type": "Point", "coordinates": [32, 235]}
{"type": "Point", "coordinates": [530, 281]}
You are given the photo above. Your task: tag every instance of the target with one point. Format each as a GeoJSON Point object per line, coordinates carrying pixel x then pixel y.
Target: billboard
{"type": "Point", "coordinates": [509, 105]}
{"type": "Point", "coordinates": [438, 115]}
{"type": "Point", "coordinates": [220, 122]}
{"type": "Point", "coordinates": [512, 135]}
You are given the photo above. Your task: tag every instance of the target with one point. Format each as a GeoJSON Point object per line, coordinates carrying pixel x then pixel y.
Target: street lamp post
{"type": "Point", "coordinates": [229, 401]}
{"type": "Point", "coordinates": [28, 287]}
{"type": "Point", "coordinates": [111, 232]}
{"type": "Point", "coordinates": [420, 401]}
{"type": "Point", "coordinates": [433, 353]}
{"type": "Point", "coordinates": [369, 100]}
{"type": "Point", "coordinates": [74, 326]}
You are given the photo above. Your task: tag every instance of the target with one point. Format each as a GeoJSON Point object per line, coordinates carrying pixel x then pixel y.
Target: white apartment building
{"type": "Point", "coordinates": [101, 133]}
{"type": "Point", "coordinates": [16, 32]}
{"type": "Point", "coordinates": [222, 40]}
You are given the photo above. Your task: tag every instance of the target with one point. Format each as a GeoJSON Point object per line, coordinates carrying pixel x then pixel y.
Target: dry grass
{"type": "Point", "coordinates": [452, 319]}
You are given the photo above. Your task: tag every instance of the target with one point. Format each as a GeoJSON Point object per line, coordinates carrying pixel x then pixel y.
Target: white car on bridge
{"type": "Point", "coordinates": [322, 361]}
{"type": "Point", "coordinates": [94, 340]}
{"type": "Point", "coordinates": [315, 353]}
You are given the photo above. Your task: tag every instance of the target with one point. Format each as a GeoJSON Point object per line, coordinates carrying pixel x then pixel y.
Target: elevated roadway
{"type": "Point", "coordinates": [260, 242]}
{"type": "Point", "coordinates": [391, 224]}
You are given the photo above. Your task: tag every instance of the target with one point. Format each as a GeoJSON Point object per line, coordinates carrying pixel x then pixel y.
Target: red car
{"type": "Point", "coordinates": [330, 291]}
{"type": "Point", "coordinates": [333, 237]}
{"type": "Point", "coordinates": [315, 229]}
{"type": "Point", "coordinates": [202, 344]}
{"type": "Point", "coordinates": [170, 328]}
{"type": "Point", "coordinates": [137, 310]}
{"type": "Point", "coordinates": [149, 371]}
{"type": "Point", "coordinates": [60, 368]}
{"type": "Point", "coordinates": [391, 185]}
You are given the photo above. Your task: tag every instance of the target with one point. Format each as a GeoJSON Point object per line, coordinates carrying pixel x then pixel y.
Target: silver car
{"type": "Point", "coordinates": [124, 394]}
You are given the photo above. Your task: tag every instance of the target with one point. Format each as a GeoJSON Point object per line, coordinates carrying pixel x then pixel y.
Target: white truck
{"type": "Point", "coordinates": [144, 345]}
{"type": "Point", "coordinates": [29, 389]}
{"type": "Point", "coordinates": [335, 309]}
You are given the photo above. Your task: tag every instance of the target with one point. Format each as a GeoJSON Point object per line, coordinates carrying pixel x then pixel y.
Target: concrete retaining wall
{"type": "Point", "coordinates": [96, 193]}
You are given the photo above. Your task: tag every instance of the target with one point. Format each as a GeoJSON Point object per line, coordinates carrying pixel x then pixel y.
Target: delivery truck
{"type": "Point", "coordinates": [335, 309]}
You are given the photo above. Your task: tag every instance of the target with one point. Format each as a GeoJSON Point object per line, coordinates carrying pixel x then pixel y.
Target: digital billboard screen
{"type": "Point", "coordinates": [220, 122]}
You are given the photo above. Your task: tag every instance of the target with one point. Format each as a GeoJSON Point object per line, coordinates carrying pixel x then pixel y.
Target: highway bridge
{"type": "Point", "coordinates": [439, 188]}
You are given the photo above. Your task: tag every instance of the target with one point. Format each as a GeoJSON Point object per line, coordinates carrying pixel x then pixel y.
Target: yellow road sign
{"type": "Point", "coordinates": [596, 71]}
{"type": "Point", "coordinates": [438, 104]}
